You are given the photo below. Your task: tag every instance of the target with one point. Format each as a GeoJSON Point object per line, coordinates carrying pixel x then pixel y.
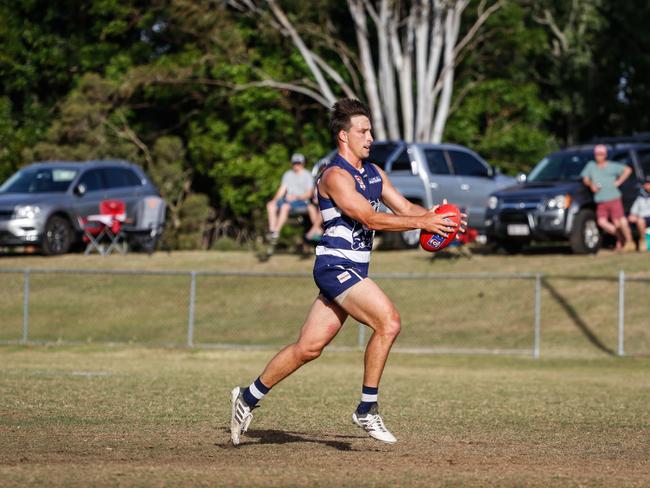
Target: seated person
{"type": "Point", "coordinates": [640, 214]}
{"type": "Point", "coordinates": [294, 195]}
{"type": "Point", "coordinates": [315, 232]}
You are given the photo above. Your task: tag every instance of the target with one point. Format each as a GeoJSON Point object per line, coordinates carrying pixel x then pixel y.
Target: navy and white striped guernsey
{"type": "Point", "coordinates": [345, 240]}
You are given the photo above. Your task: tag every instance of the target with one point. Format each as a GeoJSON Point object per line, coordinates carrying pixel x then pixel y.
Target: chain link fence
{"type": "Point", "coordinates": [470, 313]}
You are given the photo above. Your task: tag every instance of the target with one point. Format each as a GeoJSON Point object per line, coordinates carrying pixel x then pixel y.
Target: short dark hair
{"type": "Point", "coordinates": [341, 114]}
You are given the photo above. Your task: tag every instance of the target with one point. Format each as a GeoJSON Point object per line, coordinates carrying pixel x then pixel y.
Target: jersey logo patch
{"type": "Point", "coordinates": [343, 277]}
{"type": "Point", "coordinates": [376, 179]}
{"type": "Point", "coordinates": [360, 181]}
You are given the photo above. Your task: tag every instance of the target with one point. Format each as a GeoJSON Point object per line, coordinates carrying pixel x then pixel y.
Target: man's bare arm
{"type": "Point", "coordinates": [590, 184]}
{"type": "Point", "coordinates": [338, 185]}
{"type": "Point", "coordinates": [401, 206]}
{"type": "Point", "coordinates": [280, 193]}
{"type": "Point", "coordinates": [624, 176]}
{"type": "Point", "coordinates": [396, 201]}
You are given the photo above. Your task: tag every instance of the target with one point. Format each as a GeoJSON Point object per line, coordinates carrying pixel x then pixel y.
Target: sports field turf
{"type": "Point", "coordinates": [92, 416]}
{"type": "Point", "coordinates": [143, 415]}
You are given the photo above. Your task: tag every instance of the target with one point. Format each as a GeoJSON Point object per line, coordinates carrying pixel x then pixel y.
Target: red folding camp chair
{"type": "Point", "coordinates": [103, 232]}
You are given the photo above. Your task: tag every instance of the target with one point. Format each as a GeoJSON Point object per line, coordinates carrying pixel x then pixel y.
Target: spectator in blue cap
{"type": "Point", "coordinates": [292, 197]}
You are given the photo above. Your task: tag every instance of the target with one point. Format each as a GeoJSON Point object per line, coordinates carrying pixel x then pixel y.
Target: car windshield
{"type": "Point", "coordinates": [39, 180]}
{"type": "Point", "coordinates": [379, 153]}
{"type": "Point", "coordinates": [560, 167]}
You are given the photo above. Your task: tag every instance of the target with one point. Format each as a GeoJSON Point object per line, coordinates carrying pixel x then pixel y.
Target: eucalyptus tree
{"type": "Point", "coordinates": [405, 53]}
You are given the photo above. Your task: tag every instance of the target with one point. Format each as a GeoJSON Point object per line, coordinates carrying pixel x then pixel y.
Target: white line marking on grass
{"type": "Point", "coordinates": [82, 374]}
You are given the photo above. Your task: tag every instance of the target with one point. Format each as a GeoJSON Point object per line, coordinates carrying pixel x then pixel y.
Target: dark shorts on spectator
{"type": "Point", "coordinates": [297, 206]}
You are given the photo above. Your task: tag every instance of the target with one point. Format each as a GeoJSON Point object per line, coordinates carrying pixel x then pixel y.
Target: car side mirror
{"type": "Point", "coordinates": [80, 190]}
{"type": "Point", "coordinates": [521, 177]}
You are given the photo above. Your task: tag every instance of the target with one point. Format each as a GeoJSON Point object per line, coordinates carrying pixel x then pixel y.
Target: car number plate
{"type": "Point", "coordinates": [518, 230]}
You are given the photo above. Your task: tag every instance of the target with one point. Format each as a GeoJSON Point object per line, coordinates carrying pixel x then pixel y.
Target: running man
{"type": "Point", "coordinates": [349, 194]}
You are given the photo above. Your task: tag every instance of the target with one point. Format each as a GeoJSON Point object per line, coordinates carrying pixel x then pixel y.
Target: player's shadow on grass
{"type": "Point", "coordinates": [577, 320]}
{"type": "Point", "coordinates": [271, 436]}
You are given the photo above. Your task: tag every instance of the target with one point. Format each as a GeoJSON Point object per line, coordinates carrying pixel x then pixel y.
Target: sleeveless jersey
{"type": "Point", "coordinates": [344, 239]}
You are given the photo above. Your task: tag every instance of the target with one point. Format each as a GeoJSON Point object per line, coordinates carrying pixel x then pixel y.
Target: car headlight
{"type": "Point", "coordinates": [26, 211]}
{"type": "Point", "coordinates": [493, 202]}
{"type": "Point", "coordinates": [559, 201]}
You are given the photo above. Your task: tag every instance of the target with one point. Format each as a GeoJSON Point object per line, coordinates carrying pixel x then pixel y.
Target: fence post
{"type": "Point", "coordinates": [25, 306]}
{"type": "Point", "coordinates": [361, 342]}
{"type": "Point", "coordinates": [538, 314]}
{"type": "Point", "coordinates": [190, 320]}
{"type": "Point", "coordinates": [621, 312]}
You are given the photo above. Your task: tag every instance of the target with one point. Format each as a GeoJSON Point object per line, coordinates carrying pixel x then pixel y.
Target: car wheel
{"type": "Point", "coordinates": [511, 247]}
{"type": "Point", "coordinates": [585, 236]}
{"type": "Point", "coordinates": [57, 237]}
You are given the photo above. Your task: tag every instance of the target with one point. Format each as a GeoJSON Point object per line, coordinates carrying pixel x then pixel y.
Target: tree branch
{"type": "Point", "coordinates": [477, 25]}
{"type": "Point", "coordinates": [357, 12]}
{"type": "Point", "coordinates": [306, 53]}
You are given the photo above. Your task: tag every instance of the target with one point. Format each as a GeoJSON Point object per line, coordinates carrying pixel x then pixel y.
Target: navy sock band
{"type": "Point", "coordinates": [255, 392]}
{"type": "Point", "coordinates": [369, 396]}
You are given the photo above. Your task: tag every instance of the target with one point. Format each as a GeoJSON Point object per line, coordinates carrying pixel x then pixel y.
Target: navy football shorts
{"type": "Point", "coordinates": [335, 280]}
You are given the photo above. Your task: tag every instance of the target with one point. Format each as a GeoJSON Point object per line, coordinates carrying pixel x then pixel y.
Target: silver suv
{"type": "Point", "coordinates": [41, 203]}
{"type": "Point", "coordinates": [428, 173]}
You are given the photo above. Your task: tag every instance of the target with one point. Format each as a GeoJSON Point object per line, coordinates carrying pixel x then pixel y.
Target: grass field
{"type": "Point", "coordinates": [91, 416]}
{"type": "Point", "coordinates": [579, 317]}
{"type": "Point", "coordinates": [126, 415]}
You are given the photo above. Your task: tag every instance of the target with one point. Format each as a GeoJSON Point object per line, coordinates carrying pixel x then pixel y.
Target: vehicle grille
{"type": "Point", "coordinates": [6, 214]}
{"type": "Point", "coordinates": [514, 218]}
{"type": "Point", "coordinates": [520, 204]}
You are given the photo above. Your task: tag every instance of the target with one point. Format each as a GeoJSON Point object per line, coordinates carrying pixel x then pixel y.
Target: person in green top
{"type": "Point", "coordinates": [604, 178]}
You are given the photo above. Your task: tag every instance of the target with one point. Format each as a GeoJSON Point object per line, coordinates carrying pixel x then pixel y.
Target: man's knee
{"type": "Point", "coordinates": [271, 207]}
{"type": "Point", "coordinates": [391, 325]}
{"type": "Point", "coordinates": [307, 352]}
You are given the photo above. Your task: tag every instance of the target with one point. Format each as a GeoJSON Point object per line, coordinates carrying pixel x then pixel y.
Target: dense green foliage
{"type": "Point", "coordinates": [174, 85]}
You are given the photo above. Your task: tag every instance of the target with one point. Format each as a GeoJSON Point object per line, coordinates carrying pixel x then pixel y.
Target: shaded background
{"type": "Point", "coordinates": [162, 83]}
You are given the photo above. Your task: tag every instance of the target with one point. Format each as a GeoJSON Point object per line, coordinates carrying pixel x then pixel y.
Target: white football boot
{"type": "Point", "coordinates": [240, 417]}
{"type": "Point", "coordinates": [373, 424]}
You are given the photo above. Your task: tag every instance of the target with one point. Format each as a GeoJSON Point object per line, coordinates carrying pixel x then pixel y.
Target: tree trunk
{"type": "Point", "coordinates": [408, 60]}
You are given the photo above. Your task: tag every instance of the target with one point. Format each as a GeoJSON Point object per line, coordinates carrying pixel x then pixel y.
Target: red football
{"type": "Point", "coordinates": [434, 242]}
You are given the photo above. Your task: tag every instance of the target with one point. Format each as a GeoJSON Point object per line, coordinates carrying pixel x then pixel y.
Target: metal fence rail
{"type": "Point", "coordinates": [222, 308]}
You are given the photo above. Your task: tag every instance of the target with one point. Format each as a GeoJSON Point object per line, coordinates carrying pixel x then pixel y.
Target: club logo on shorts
{"type": "Point", "coordinates": [360, 181]}
{"type": "Point", "coordinates": [343, 277]}
{"type": "Point", "coordinates": [436, 240]}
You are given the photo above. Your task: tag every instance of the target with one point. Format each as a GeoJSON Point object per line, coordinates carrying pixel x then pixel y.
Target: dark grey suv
{"type": "Point", "coordinates": [41, 203]}
{"type": "Point", "coordinates": [553, 204]}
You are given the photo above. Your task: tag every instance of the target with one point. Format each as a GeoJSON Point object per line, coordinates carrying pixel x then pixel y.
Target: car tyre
{"type": "Point", "coordinates": [585, 236]}
{"type": "Point", "coordinates": [57, 237]}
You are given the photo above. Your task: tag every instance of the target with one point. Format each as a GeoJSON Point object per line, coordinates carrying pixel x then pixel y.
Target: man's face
{"type": "Point", "coordinates": [359, 137]}
{"type": "Point", "coordinates": [600, 153]}
{"type": "Point", "coordinates": [297, 167]}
